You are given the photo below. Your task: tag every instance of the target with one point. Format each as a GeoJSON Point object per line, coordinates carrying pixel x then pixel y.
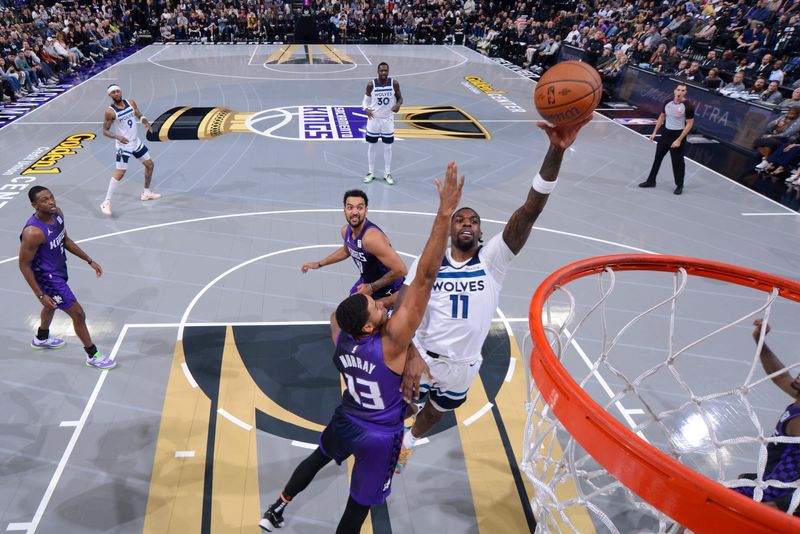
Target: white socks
{"type": "Point", "coordinates": [112, 185]}
{"type": "Point", "coordinates": [409, 440]}
{"type": "Point", "coordinates": [387, 157]}
{"type": "Point", "coordinates": [371, 156]}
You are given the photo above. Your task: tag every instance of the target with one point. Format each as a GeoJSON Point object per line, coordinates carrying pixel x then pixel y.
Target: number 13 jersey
{"type": "Point", "coordinates": [463, 301]}
{"type": "Point", "coordinates": [372, 398]}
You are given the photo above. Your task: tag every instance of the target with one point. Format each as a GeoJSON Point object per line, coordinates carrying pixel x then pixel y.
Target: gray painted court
{"type": "Point", "coordinates": [242, 212]}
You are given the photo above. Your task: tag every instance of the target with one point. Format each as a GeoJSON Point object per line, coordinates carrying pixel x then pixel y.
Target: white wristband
{"type": "Point", "coordinates": [540, 185]}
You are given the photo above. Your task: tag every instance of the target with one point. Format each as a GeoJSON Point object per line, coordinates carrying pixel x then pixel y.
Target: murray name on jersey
{"type": "Point", "coordinates": [349, 360]}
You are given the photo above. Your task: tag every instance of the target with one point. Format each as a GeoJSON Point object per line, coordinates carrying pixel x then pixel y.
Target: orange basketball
{"type": "Point", "coordinates": [568, 92]}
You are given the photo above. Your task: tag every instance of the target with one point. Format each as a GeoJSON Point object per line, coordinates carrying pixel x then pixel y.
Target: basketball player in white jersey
{"type": "Point", "coordinates": [122, 115]}
{"type": "Point", "coordinates": [465, 296]}
{"type": "Point", "coordinates": [381, 101]}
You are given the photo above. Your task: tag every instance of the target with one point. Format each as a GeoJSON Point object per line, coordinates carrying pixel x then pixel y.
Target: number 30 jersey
{"type": "Point", "coordinates": [463, 301]}
{"type": "Point", "coordinates": [372, 398]}
{"type": "Point", "coordinates": [126, 126]}
{"type": "Point", "coordinates": [383, 99]}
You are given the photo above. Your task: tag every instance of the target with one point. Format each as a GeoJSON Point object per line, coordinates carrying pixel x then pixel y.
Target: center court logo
{"type": "Point", "coordinates": [313, 123]}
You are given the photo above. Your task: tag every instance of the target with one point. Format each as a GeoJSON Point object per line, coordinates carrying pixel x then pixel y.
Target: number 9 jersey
{"type": "Point", "coordinates": [126, 127]}
{"type": "Point", "coordinates": [463, 301]}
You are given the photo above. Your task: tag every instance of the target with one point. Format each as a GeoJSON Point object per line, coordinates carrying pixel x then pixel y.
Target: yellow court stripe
{"type": "Point", "coordinates": [510, 402]}
{"type": "Point", "coordinates": [289, 53]}
{"type": "Point", "coordinates": [343, 58]}
{"type": "Point", "coordinates": [325, 49]}
{"type": "Point", "coordinates": [277, 54]}
{"type": "Point", "coordinates": [272, 408]}
{"type": "Point", "coordinates": [408, 133]}
{"type": "Point", "coordinates": [175, 499]}
{"type": "Point", "coordinates": [414, 121]}
{"type": "Point", "coordinates": [235, 506]}
{"type": "Point", "coordinates": [494, 495]}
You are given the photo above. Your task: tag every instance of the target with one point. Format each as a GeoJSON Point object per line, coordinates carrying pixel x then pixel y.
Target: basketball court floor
{"type": "Point", "coordinates": [224, 376]}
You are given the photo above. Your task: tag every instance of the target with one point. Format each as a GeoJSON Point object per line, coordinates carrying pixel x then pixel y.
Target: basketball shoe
{"type": "Point", "coordinates": [149, 195]}
{"type": "Point", "coordinates": [105, 207]}
{"type": "Point", "coordinates": [98, 361]}
{"type": "Point", "coordinates": [49, 343]}
{"type": "Point", "coordinates": [272, 519]}
{"type": "Point", "coordinates": [388, 178]}
{"type": "Point", "coordinates": [369, 177]}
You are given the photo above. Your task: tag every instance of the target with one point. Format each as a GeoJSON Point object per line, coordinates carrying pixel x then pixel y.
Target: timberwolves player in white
{"type": "Point", "coordinates": [465, 296]}
{"type": "Point", "coordinates": [382, 100]}
{"type": "Point", "coordinates": [122, 115]}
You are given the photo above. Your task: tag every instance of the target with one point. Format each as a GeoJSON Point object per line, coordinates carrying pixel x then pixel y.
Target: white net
{"type": "Point", "coordinates": [689, 384]}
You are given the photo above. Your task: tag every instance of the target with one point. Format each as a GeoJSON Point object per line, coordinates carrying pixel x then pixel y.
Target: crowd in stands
{"type": "Point", "coordinates": [748, 50]}
{"type": "Point", "coordinates": [744, 49]}
{"type": "Point", "coordinates": [41, 45]}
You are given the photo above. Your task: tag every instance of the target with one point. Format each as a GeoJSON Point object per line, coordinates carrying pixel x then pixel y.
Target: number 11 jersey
{"type": "Point", "coordinates": [463, 301]}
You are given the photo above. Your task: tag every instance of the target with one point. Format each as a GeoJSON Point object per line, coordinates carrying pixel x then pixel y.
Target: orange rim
{"type": "Point", "coordinates": [686, 496]}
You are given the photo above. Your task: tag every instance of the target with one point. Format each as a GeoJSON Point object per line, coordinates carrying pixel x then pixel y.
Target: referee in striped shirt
{"type": "Point", "coordinates": [677, 116]}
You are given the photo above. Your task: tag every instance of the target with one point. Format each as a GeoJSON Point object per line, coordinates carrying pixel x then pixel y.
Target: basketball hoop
{"type": "Point", "coordinates": [577, 454]}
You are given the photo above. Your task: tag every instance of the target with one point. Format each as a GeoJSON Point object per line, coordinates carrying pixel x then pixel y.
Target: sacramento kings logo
{"type": "Point", "coordinates": [310, 123]}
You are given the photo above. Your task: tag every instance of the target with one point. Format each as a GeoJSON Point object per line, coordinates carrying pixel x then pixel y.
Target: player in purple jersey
{"type": "Point", "coordinates": [43, 262]}
{"type": "Point", "coordinates": [783, 459]}
{"type": "Point", "coordinates": [382, 271]}
{"type": "Point", "coordinates": [370, 354]}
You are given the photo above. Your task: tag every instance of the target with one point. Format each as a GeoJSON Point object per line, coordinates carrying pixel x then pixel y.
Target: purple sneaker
{"type": "Point", "coordinates": [98, 361]}
{"type": "Point", "coordinates": [49, 343]}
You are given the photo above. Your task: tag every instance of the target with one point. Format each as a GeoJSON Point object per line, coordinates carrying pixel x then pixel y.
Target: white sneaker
{"type": "Point", "coordinates": [105, 207]}
{"type": "Point", "coordinates": [369, 177]}
{"type": "Point", "coordinates": [388, 178]}
{"type": "Point", "coordinates": [762, 165]}
{"type": "Point", "coordinates": [149, 195]}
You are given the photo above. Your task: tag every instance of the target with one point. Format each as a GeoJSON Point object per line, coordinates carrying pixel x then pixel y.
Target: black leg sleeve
{"type": "Point", "coordinates": [678, 163]}
{"type": "Point", "coordinates": [662, 148]}
{"type": "Point", "coordinates": [353, 518]}
{"type": "Point", "coordinates": [305, 473]}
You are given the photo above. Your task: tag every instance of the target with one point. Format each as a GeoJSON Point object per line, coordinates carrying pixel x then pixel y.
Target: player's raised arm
{"type": "Point", "coordinates": [406, 319]}
{"type": "Point", "coordinates": [520, 224]}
